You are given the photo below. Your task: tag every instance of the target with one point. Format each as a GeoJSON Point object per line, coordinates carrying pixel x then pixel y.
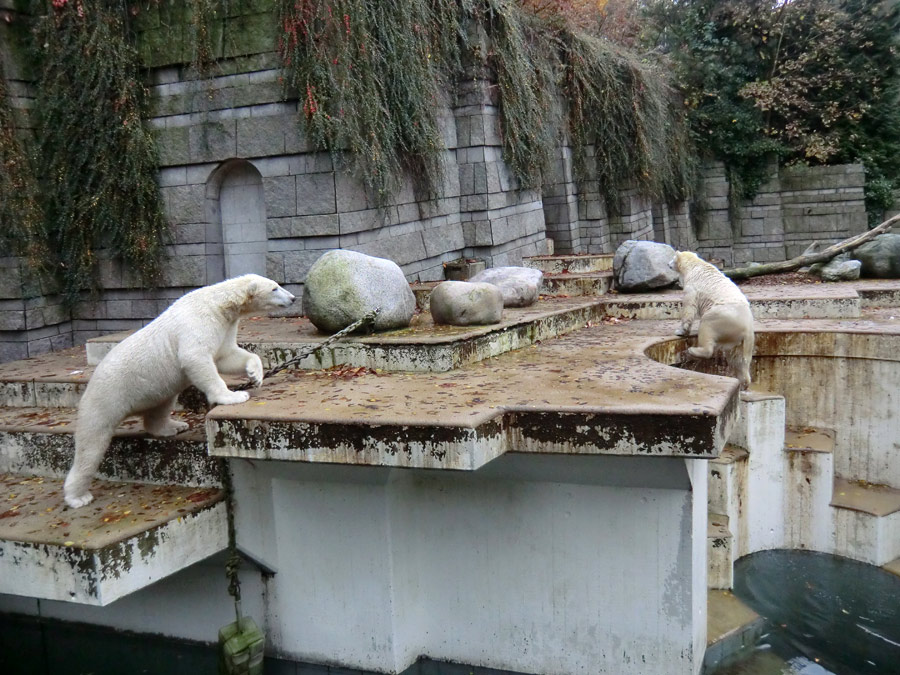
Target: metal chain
{"type": "Point", "coordinates": [369, 318]}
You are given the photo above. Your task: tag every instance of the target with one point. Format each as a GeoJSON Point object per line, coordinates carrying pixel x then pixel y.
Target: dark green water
{"type": "Point", "coordinates": [825, 614]}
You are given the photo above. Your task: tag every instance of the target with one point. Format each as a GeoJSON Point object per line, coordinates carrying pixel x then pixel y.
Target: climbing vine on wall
{"type": "Point", "coordinates": [99, 162]}
{"type": "Point", "coordinates": [371, 78]}
{"type": "Point", "coordinates": [370, 75]}
{"type": "Point", "coordinates": [21, 218]}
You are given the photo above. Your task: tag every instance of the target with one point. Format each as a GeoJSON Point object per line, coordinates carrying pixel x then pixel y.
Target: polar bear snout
{"type": "Point", "coordinates": [281, 297]}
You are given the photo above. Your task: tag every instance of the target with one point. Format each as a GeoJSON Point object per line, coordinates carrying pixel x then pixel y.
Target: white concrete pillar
{"type": "Point", "coordinates": [761, 432]}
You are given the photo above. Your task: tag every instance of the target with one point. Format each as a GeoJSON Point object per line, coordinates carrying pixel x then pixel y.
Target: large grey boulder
{"type": "Point", "coordinates": [643, 266]}
{"type": "Point", "coordinates": [839, 268]}
{"type": "Point", "coordinates": [520, 286]}
{"type": "Point", "coordinates": [880, 257]}
{"type": "Point", "coordinates": [343, 286]}
{"type": "Point", "coordinates": [466, 303]}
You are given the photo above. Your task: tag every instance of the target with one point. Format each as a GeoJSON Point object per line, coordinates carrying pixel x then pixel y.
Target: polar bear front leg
{"type": "Point", "coordinates": [237, 361]}
{"type": "Point", "coordinates": [688, 312]}
{"type": "Point", "coordinates": [201, 371]}
{"type": "Point", "coordinates": [158, 420]}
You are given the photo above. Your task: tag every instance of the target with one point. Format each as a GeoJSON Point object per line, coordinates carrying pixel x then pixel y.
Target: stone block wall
{"type": "Point", "coordinates": [244, 191]}
{"type": "Point", "coordinates": [825, 203]}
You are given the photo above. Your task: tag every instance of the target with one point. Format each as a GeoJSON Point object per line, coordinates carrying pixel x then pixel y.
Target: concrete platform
{"type": "Point", "coordinates": [132, 535]}
{"type": "Point", "coordinates": [592, 391]}
{"type": "Point", "coordinates": [39, 441]}
{"type": "Point", "coordinates": [731, 626]}
{"type": "Point", "coordinates": [422, 347]}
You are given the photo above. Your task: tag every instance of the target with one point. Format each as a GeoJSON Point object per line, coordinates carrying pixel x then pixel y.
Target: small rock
{"type": "Point", "coordinates": [343, 286]}
{"type": "Point", "coordinates": [839, 268]}
{"type": "Point", "coordinates": [880, 257]}
{"type": "Point", "coordinates": [520, 286]}
{"type": "Point", "coordinates": [466, 303]}
{"type": "Point", "coordinates": [643, 266]}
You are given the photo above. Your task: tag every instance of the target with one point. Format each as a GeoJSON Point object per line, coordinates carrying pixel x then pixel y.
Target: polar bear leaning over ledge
{"type": "Point", "coordinates": [190, 343]}
{"type": "Point", "coordinates": [725, 317]}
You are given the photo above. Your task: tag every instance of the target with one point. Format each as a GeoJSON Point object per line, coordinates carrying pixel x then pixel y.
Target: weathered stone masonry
{"type": "Point", "coordinates": [244, 191]}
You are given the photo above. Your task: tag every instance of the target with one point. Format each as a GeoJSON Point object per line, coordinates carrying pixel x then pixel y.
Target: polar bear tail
{"type": "Point", "coordinates": [92, 438]}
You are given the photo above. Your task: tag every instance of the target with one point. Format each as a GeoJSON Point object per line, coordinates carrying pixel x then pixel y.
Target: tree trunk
{"type": "Point", "coordinates": [739, 273]}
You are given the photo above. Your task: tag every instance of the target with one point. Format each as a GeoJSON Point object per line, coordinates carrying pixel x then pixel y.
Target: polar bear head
{"type": "Point", "coordinates": [254, 294]}
{"type": "Point", "coordinates": [685, 260]}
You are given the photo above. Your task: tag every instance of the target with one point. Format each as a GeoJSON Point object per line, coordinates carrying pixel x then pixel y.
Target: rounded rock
{"type": "Point", "coordinates": [343, 286]}
{"type": "Point", "coordinates": [520, 286]}
{"type": "Point", "coordinates": [466, 303]}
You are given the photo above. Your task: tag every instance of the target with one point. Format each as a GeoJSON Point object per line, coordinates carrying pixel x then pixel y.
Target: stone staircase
{"type": "Point", "coordinates": [158, 502]}
{"type": "Point", "coordinates": [574, 275]}
{"type": "Point", "coordinates": [776, 487]}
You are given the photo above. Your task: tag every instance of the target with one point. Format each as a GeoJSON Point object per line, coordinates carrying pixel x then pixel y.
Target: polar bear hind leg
{"type": "Point", "coordinates": [91, 440]}
{"type": "Point", "coordinates": [158, 421]}
{"type": "Point", "coordinates": [706, 341]}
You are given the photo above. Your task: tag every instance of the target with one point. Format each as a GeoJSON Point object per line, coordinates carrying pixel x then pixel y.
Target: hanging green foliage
{"type": "Point", "coordinates": [99, 162]}
{"type": "Point", "coordinates": [627, 112]}
{"type": "Point", "coordinates": [22, 230]}
{"type": "Point", "coordinates": [523, 54]}
{"type": "Point", "coordinates": [370, 76]}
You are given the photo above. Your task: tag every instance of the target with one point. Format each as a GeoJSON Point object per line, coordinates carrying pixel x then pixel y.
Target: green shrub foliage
{"type": "Point", "coordinates": [98, 161]}
{"type": "Point", "coordinates": [806, 81]}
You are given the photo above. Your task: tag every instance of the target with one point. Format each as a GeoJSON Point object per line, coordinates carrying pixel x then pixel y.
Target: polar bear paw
{"type": "Point", "coordinates": [231, 398]}
{"type": "Point", "coordinates": [79, 501]}
{"type": "Point", "coordinates": [255, 370]}
{"type": "Point", "coordinates": [682, 331]}
{"type": "Point", "coordinates": [170, 428]}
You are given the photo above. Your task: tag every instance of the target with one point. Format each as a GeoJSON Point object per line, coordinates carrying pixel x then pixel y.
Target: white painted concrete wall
{"type": "Point", "coordinates": [537, 564]}
{"type": "Point", "coordinates": [761, 432]}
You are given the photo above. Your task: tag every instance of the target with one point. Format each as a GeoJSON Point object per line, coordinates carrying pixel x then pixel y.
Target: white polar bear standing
{"type": "Point", "coordinates": [190, 343]}
{"type": "Point", "coordinates": [724, 311]}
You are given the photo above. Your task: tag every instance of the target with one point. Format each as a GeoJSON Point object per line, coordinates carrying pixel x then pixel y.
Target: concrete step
{"type": "Point", "coordinates": [866, 521]}
{"type": "Point", "coordinates": [814, 302]}
{"type": "Point", "coordinates": [893, 567]}
{"type": "Point", "coordinates": [732, 628]}
{"type": "Point", "coordinates": [422, 347]}
{"type": "Point", "coordinates": [719, 552]}
{"type": "Point", "coordinates": [40, 442]}
{"type": "Point", "coordinates": [130, 536]}
{"type": "Point", "coordinates": [727, 489]}
{"type": "Point", "coordinates": [557, 264]}
{"type": "Point", "coordinates": [809, 476]}
{"type": "Point", "coordinates": [576, 284]}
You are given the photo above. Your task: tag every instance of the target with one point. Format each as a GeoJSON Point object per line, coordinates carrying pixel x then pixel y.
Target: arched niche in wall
{"type": "Point", "coordinates": [236, 208]}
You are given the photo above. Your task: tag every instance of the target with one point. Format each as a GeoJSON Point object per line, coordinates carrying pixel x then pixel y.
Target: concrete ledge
{"type": "Point", "coordinates": [131, 536]}
{"type": "Point", "coordinates": [422, 347]}
{"type": "Point", "coordinates": [557, 264]}
{"type": "Point", "coordinates": [41, 442]}
{"type": "Point", "coordinates": [589, 392]}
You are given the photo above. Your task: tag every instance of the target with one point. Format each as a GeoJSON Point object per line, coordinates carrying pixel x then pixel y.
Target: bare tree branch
{"type": "Point", "coordinates": [804, 260]}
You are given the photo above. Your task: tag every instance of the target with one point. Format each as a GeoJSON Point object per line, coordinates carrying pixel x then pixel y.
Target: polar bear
{"type": "Point", "coordinates": [725, 317]}
{"type": "Point", "coordinates": [190, 343]}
